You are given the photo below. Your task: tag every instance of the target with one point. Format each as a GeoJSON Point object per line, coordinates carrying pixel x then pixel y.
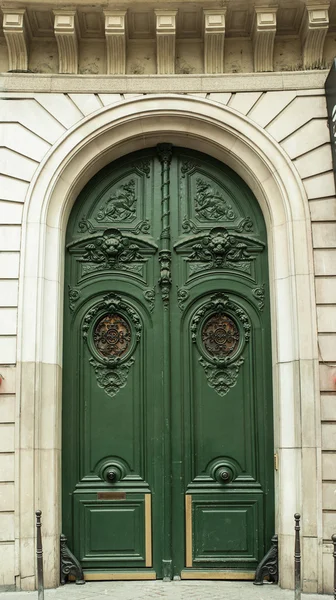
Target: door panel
{"type": "Point", "coordinates": [167, 394]}
{"type": "Point", "coordinates": [226, 529]}
{"type": "Point", "coordinates": [112, 529]}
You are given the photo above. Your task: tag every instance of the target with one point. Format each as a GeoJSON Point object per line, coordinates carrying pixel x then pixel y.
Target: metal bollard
{"type": "Point", "coordinates": [39, 555]}
{"type": "Point", "coordinates": [297, 558]}
{"type": "Point", "coordinates": [333, 539]}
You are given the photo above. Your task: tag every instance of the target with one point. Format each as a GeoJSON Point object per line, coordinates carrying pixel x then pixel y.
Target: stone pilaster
{"type": "Point", "coordinates": [313, 31]}
{"type": "Point", "coordinates": [263, 35]}
{"type": "Point", "coordinates": [14, 28]}
{"type": "Point", "coordinates": [214, 35]}
{"type": "Point", "coordinates": [165, 41]}
{"type": "Point", "coordinates": [115, 33]}
{"type": "Point", "coordinates": [65, 29]}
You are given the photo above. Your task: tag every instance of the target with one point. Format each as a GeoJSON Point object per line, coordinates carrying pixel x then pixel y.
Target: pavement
{"type": "Point", "coordinates": [158, 590]}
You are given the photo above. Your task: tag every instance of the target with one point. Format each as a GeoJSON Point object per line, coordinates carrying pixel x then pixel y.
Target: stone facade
{"type": "Point", "coordinates": [186, 38]}
{"type": "Point", "coordinates": [66, 120]}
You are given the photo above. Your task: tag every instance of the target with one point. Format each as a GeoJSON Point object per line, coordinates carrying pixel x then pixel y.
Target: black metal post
{"type": "Point", "coordinates": [39, 554]}
{"type": "Point", "coordinates": [297, 558]}
{"type": "Point", "coordinates": [333, 538]}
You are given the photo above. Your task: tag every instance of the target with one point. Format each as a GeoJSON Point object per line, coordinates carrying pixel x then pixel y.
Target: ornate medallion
{"type": "Point", "coordinates": [221, 328]}
{"type": "Point", "coordinates": [112, 335]}
{"type": "Point", "coordinates": [220, 335]}
{"type": "Point", "coordinates": [112, 339]}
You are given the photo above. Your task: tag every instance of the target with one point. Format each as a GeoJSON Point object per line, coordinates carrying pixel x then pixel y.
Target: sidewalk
{"type": "Point", "coordinates": [157, 590]}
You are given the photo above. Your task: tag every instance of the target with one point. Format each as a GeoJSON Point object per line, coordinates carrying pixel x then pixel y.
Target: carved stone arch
{"type": "Point", "coordinates": [232, 138]}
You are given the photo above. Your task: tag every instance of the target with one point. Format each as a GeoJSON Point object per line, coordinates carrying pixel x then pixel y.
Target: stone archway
{"type": "Point", "coordinates": [222, 133]}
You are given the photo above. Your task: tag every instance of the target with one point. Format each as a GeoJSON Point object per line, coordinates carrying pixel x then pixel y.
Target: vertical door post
{"type": "Point", "coordinates": [165, 156]}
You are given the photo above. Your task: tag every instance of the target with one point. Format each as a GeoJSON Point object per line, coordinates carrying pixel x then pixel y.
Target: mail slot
{"type": "Point", "coordinates": [111, 496]}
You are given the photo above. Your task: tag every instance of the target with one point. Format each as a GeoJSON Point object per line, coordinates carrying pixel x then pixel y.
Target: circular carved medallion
{"type": "Point", "coordinates": [112, 335]}
{"type": "Point", "coordinates": [220, 335]}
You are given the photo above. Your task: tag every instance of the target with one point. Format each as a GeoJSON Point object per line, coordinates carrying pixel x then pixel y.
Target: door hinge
{"type": "Point", "coordinates": [276, 461]}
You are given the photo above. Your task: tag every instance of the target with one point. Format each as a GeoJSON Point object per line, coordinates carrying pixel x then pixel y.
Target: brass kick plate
{"type": "Point", "coordinates": [221, 575]}
{"type": "Point", "coordinates": [118, 576]}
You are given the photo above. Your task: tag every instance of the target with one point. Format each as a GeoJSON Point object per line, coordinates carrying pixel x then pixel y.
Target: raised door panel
{"type": "Point", "coordinates": [112, 528]}
{"type": "Point", "coordinates": [227, 530]}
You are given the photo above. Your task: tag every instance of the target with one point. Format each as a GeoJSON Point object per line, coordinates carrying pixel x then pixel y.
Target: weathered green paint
{"type": "Point", "coordinates": [167, 418]}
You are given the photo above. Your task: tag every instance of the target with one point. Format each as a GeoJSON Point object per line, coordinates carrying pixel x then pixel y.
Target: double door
{"type": "Point", "coordinates": [167, 454]}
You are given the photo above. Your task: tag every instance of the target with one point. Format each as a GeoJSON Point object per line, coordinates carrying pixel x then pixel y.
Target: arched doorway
{"type": "Point", "coordinates": [167, 397]}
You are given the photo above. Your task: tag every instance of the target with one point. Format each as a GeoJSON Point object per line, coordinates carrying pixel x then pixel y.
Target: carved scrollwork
{"type": "Point", "coordinates": [149, 295]}
{"type": "Point", "coordinates": [210, 204]}
{"type": "Point", "coordinates": [187, 167]}
{"type": "Point", "coordinates": [182, 297]}
{"type": "Point", "coordinates": [142, 227]}
{"type": "Point", "coordinates": [259, 294]}
{"type": "Point", "coordinates": [74, 295]}
{"type": "Point", "coordinates": [143, 167]}
{"type": "Point", "coordinates": [112, 376]}
{"type": "Point", "coordinates": [268, 566]}
{"type": "Point", "coordinates": [220, 249]}
{"type": "Point", "coordinates": [215, 327]}
{"type": "Point", "coordinates": [112, 250]}
{"type": "Point", "coordinates": [245, 225]}
{"type": "Point", "coordinates": [189, 226]}
{"type": "Point", "coordinates": [120, 206]}
{"type": "Point", "coordinates": [85, 225]}
{"type": "Point", "coordinates": [69, 564]}
{"type": "Point", "coordinates": [221, 376]}
{"type": "Point", "coordinates": [111, 339]}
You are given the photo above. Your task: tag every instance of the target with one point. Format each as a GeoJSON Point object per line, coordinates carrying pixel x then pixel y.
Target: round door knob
{"type": "Point", "coordinates": [111, 476]}
{"type": "Point", "coordinates": [225, 475]}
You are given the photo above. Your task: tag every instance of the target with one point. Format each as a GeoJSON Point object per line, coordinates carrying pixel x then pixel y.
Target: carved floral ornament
{"type": "Point", "coordinates": [221, 328]}
{"type": "Point", "coordinates": [220, 249]}
{"type": "Point", "coordinates": [112, 250]}
{"type": "Point", "coordinates": [111, 328]}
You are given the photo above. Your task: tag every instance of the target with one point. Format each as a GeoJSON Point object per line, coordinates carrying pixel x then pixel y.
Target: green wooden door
{"type": "Point", "coordinates": [167, 393]}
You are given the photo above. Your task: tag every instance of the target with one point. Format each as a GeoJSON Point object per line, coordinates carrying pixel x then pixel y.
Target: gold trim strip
{"type": "Point", "coordinates": [148, 530]}
{"type": "Point", "coordinates": [119, 576]}
{"type": "Point", "coordinates": [229, 575]}
{"type": "Point", "coordinates": [188, 519]}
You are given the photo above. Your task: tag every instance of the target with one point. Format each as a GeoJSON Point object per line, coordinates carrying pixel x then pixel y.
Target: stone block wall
{"type": "Point", "coordinates": [30, 123]}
